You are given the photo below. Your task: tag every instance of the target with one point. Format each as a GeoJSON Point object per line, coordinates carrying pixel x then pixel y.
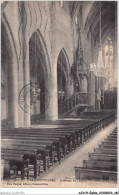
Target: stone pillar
{"type": "Point", "coordinates": [14, 91]}
{"type": "Point", "coordinates": [24, 73]}
{"type": "Point", "coordinates": [51, 112]}
{"type": "Point", "coordinates": [101, 83]}
{"type": "Point", "coordinates": [91, 91]}
{"type": "Point", "coordinates": [84, 84]}
{"type": "Point", "coordinates": [102, 88]}
{"type": "Point", "coordinates": [20, 69]}
{"type": "Point", "coordinates": [96, 90]}
{"type": "Point", "coordinates": [26, 65]}
{"type": "Point", "coordinates": [20, 87]}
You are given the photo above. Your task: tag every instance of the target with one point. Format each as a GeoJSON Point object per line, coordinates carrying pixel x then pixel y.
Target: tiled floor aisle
{"type": "Point", "coordinates": [66, 168]}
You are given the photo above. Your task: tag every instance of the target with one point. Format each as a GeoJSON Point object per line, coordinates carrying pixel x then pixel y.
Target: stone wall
{"type": "Point", "coordinates": [56, 30]}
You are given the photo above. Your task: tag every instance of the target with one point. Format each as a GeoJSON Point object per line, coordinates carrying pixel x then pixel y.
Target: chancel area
{"type": "Point", "coordinates": [59, 89]}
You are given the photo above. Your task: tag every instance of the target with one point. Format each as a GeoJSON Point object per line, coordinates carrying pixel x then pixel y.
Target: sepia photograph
{"type": "Point", "coordinates": [59, 94]}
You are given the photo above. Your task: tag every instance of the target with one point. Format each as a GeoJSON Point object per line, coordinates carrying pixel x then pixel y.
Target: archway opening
{"type": "Point", "coordinates": [37, 79]}
{"type": "Point", "coordinates": [62, 74]}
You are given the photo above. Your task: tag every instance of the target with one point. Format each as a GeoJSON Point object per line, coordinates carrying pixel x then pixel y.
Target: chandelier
{"type": "Point", "coordinates": [100, 64]}
{"type": "Point", "coordinates": [61, 92]}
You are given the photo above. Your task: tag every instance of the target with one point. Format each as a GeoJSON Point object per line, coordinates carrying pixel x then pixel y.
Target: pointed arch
{"type": "Point", "coordinates": [42, 49]}
{"type": "Point", "coordinates": [5, 24]}
{"type": "Point", "coordinates": [64, 61]}
{"type": "Point", "coordinates": [10, 80]}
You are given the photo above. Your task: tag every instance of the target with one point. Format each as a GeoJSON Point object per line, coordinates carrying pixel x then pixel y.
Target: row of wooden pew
{"type": "Point", "coordinates": [29, 152]}
{"type": "Point", "coordinates": [102, 164]}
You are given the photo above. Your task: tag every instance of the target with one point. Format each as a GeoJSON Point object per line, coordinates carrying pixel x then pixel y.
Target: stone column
{"type": "Point", "coordinates": [91, 91]}
{"type": "Point", "coordinates": [20, 69]}
{"type": "Point", "coordinates": [101, 83]}
{"type": "Point", "coordinates": [20, 87]}
{"type": "Point", "coordinates": [84, 84]}
{"type": "Point", "coordinates": [102, 88]}
{"type": "Point", "coordinates": [96, 90]}
{"type": "Point", "coordinates": [26, 66]}
{"type": "Point", "coordinates": [15, 91]}
{"type": "Point", "coordinates": [27, 118]}
{"type": "Point", "coordinates": [51, 112]}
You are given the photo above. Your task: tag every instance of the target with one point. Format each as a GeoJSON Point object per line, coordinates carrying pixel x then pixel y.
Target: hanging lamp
{"type": "Point", "coordinates": [61, 92]}
{"type": "Point", "coordinates": [100, 63]}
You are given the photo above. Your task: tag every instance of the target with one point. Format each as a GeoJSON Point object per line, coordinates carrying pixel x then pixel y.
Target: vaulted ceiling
{"type": "Point", "coordinates": [90, 17]}
{"type": "Point", "coordinates": [108, 20]}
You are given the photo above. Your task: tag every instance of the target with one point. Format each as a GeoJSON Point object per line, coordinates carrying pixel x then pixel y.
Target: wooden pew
{"type": "Point", "coordinates": [107, 146]}
{"type": "Point", "coordinates": [100, 165]}
{"type": "Point", "coordinates": [31, 154]}
{"type": "Point", "coordinates": [82, 173]}
{"type": "Point", "coordinates": [85, 132]}
{"type": "Point", "coordinates": [85, 127]}
{"type": "Point", "coordinates": [15, 162]}
{"type": "Point", "coordinates": [64, 137]}
{"type": "Point", "coordinates": [115, 130]}
{"type": "Point", "coordinates": [92, 125]}
{"type": "Point", "coordinates": [70, 134]}
{"type": "Point", "coordinates": [50, 130]}
{"type": "Point", "coordinates": [22, 138]}
{"type": "Point", "coordinates": [32, 158]}
{"type": "Point", "coordinates": [105, 151]}
{"type": "Point", "coordinates": [28, 130]}
{"type": "Point", "coordinates": [109, 139]}
{"type": "Point", "coordinates": [96, 123]}
{"type": "Point", "coordinates": [41, 149]}
{"type": "Point", "coordinates": [75, 137]}
{"type": "Point", "coordinates": [100, 157]}
{"type": "Point", "coordinates": [56, 138]}
{"type": "Point", "coordinates": [113, 133]}
{"type": "Point", "coordinates": [41, 134]}
{"type": "Point", "coordinates": [109, 142]}
{"type": "Point", "coordinates": [112, 136]}
{"type": "Point", "coordinates": [56, 141]}
{"type": "Point", "coordinates": [18, 138]}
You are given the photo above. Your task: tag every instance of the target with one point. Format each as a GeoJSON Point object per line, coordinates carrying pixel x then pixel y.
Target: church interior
{"type": "Point", "coordinates": [59, 90]}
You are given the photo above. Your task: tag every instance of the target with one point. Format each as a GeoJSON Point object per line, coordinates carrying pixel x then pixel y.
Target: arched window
{"type": "Point", "coordinates": [109, 53]}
